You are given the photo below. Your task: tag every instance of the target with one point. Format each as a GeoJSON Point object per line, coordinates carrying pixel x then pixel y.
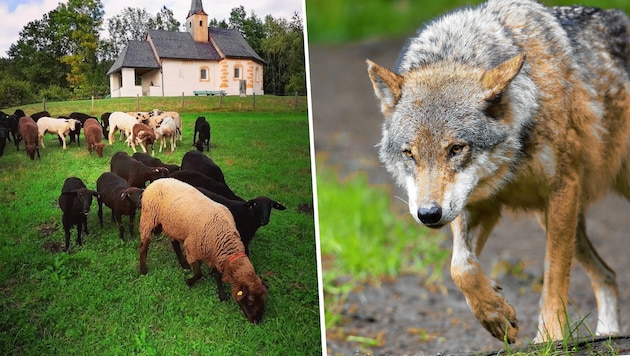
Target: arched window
{"type": "Point", "coordinates": [204, 74]}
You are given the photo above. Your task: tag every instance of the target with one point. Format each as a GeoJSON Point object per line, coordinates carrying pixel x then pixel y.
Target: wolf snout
{"type": "Point", "coordinates": [430, 215]}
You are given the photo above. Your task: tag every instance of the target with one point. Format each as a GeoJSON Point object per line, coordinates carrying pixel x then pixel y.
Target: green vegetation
{"type": "Point", "coordinates": [338, 22]}
{"type": "Point", "coordinates": [94, 300]}
{"type": "Point", "coordinates": [364, 245]}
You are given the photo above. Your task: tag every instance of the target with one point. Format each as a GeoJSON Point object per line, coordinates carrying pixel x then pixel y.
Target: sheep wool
{"type": "Point", "coordinates": [208, 232]}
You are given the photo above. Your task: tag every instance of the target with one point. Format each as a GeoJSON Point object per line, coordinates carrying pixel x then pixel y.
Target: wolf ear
{"type": "Point", "coordinates": [498, 78]}
{"type": "Point", "coordinates": [387, 86]}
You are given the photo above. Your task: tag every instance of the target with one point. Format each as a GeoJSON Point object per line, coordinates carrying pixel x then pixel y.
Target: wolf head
{"type": "Point", "coordinates": [451, 133]}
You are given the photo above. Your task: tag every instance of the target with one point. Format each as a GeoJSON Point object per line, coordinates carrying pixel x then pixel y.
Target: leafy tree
{"type": "Point", "coordinates": [132, 24]}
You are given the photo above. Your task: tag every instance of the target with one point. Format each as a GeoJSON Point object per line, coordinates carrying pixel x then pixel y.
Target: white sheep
{"type": "Point", "coordinates": [167, 129]}
{"type": "Point", "coordinates": [208, 233]}
{"type": "Point", "coordinates": [154, 119]}
{"type": "Point", "coordinates": [52, 125]}
{"type": "Point", "coordinates": [120, 121]}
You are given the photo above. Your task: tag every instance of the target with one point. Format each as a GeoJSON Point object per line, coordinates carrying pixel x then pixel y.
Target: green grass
{"type": "Point", "coordinates": [362, 240]}
{"type": "Point", "coordinates": [94, 300]}
{"type": "Point", "coordinates": [336, 22]}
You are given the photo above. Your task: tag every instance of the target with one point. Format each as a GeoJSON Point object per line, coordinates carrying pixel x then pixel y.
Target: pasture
{"type": "Point", "coordinates": [94, 299]}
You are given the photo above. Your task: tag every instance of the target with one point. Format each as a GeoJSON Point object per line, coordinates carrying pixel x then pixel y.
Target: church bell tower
{"type": "Point", "coordinates": [197, 22]}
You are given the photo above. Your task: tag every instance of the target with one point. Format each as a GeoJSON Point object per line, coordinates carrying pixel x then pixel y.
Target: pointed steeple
{"type": "Point", "coordinates": [197, 22]}
{"type": "Point", "coordinates": [195, 7]}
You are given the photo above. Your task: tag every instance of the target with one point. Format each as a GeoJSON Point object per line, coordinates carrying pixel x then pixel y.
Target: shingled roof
{"type": "Point", "coordinates": [196, 7]}
{"type": "Point", "coordinates": [232, 44]}
{"type": "Point", "coordinates": [180, 45]}
{"type": "Point", "coordinates": [137, 54]}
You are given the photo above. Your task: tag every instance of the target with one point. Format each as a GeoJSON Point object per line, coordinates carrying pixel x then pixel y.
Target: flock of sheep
{"type": "Point", "coordinates": [219, 236]}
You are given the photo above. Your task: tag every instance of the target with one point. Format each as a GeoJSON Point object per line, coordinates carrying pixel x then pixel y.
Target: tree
{"type": "Point", "coordinates": [132, 24]}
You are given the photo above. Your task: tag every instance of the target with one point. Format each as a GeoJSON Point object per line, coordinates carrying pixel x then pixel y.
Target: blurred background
{"type": "Point", "coordinates": [386, 282]}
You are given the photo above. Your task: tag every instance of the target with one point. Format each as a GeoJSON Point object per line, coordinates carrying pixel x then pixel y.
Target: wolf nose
{"type": "Point", "coordinates": [430, 215]}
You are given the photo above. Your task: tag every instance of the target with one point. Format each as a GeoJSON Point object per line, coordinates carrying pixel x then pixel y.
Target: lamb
{"type": "Point", "coordinates": [197, 179]}
{"type": "Point", "coordinates": [120, 121]}
{"type": "Point", "coordinates": [142, 135]}
{"type": "Point", "coordinates": [122, 199]}
{"type": "Point", "coordinates": [75, 201]}
{"type": "Point", "coordinates": [248, 215]}
{"type": "Point", "coordinates": [167, 129]}
{"type": "Point", "coordinates": [203, 127]}
{"type": "Point", "coordinates": [208, 233]}
{"type": "Point", "coordinates": [60, 127]}
{"type": "Point", "coordinates": [135, 172]}
{"type": "Point", "coordinates": [197, 161]}
{"type": "Point", "coordinates": [92, 132]}
{"type": "Point", "coordinates": [154, 162]}
{"type": "Point", "coordinates": [27, 130]}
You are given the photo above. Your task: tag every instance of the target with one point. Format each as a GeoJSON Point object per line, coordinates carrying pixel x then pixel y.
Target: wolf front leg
{"type": "Point", "coordinates": [561, 223]}
{"type": "Point", "coordinates": [482, 295]}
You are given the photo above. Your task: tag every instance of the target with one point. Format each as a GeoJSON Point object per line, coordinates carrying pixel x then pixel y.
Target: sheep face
{"type": "Point", "coordinates": [251, 299]}
{"type": "Point", "coordinates": [260, 207]}
{"type": "Point", "coordinates": [134, 195]}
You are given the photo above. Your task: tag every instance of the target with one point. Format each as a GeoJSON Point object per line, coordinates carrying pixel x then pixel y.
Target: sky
{"type": "Point", "coordinates": [15, 14]}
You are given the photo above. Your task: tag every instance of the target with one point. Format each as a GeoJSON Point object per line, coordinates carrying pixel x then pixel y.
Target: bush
{"type": "Point", "coordinates": [15, 93]}
{"type": "Point", "coordinates": [55, 93]}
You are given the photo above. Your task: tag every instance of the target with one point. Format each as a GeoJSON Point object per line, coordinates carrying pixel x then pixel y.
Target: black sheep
{"type": "Point", "coordinates": [248, 215]}
{"type": "Point", "coordinates": [203, 127]}
{"type": "Point", "coordinates": [151, 161]}
{"type": "Point", "coordinates": [198, 162]}
{"type": "Point", "coordinates": [105, 123]}
{"type": "Point", "coordinates": [197, 179]}
{"type": "Point", "coordinates": [75, 201]}
{"type": "Point", "coordinates": [122, 199]}
{"type": "Point", "coordinates": [135, 172]}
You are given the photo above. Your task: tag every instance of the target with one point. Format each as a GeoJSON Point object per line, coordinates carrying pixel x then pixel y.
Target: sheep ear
{"type": "Point", "coordinates": [242, 293]}
{"type": "Point", "coordinates": [277, 205]}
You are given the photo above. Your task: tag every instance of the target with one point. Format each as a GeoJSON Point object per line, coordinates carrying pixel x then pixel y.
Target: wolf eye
{"type": "Point", "coordinates": [407, 153]}
{"type": "Point", "coordinates": [455, 150]}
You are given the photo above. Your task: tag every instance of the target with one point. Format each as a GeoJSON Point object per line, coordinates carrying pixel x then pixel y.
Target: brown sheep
{"type": "Point", "coordinates": [208, 233]}
{"type": "Point", "coordinates": [93, 131]}
{"type": "Point", "coordinates": [142, 135]}
{"type": "Point", "coordinates": [27, 129]}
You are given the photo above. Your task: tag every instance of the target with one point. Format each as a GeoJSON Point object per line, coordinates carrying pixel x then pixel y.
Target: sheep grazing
{"type": "Point", "coordinates": [208, 233]}
{"type": "Point", "coordinates": [197, 179]}
{"type": "Point", "coordinates": [81, 117]}
{"type": "Point", "coordinates": [92, 132]}
{"type": "Point", "coordinates": [120, 121]}
{"type": "Point", "coordinates": [154, 162]}
{"type": "Point", "coordinates": [61, 127]}
{"type": "Point", "coordinates": [75, 201]}
{"type": "Point", "coordinates": [203, 128]}
{"type": "Point", "coordinates": [155, 117]}
{"type": "Point", "coordinates": [167, 129]}
{"type": "Point", "coordinates": [5, 129]}
{"type": "Point", "coordinates": [197, 161]}
{"type": "Point", "coordinates": [142, 135]}
{"type": "Point", "coordinates": [27, 130]}
{"type": "Point", "coordinates": [135, 172]}
{"type": "Point", "coordinates": [122, 199]}
{"type": "Point", "coordinates": [248, 215]}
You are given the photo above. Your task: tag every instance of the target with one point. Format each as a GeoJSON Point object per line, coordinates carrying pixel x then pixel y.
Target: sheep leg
{"type": "Point", "coordinates": [132, 217]}
{"type": "Point", "coordinates": [121, 229]}
{"type": "Point", "coordinates": [63, 139]}
{"type": "Point", "coordinates": [178, 251]}
{"type": "Point", "coordinates": [196, 274]}
{"type": "Point", "coordinates": [144, 246]}
{"type": "Point", "coordinates": [99, 200]}
{"type": "Point", "coordinates": [41, 140]}
{"type": "Point", "coordinates": [218, 278]}
{"type": "Point", "coordinates": [67, 236]}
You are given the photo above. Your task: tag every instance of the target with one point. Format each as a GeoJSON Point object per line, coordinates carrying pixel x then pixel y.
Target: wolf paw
{"type": "Point", "coordinates": [498, 317]}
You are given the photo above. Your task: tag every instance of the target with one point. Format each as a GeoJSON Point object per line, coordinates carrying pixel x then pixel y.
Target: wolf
{"type": "Point", "coordinates": [513, 105]}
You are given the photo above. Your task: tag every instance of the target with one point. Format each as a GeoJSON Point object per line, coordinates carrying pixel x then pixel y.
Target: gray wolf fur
{"type": "Point", "coordinates": [513, 105]}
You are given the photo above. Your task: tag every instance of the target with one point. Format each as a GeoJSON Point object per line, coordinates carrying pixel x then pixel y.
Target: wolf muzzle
{"type": "Point", "coordinates": [430, 215]}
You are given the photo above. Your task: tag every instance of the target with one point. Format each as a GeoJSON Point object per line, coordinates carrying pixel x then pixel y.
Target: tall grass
{"type": "Point", "coordinates": [94, 300]}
